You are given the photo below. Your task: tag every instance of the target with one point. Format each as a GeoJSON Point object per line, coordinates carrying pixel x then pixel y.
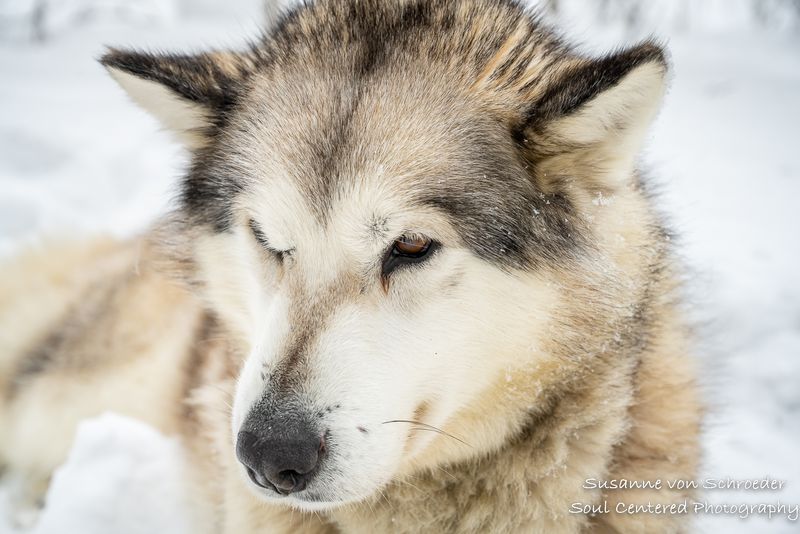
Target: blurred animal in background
{"type": "Point", "coordinates": [414, 283]}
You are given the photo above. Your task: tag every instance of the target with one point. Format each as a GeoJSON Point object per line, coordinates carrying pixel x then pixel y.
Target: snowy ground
{"type": "Point", "coordinates": [76, 156]}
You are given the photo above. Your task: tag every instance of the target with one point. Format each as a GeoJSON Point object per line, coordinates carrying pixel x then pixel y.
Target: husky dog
{"type": "Point", "coordinates": [414, 283]}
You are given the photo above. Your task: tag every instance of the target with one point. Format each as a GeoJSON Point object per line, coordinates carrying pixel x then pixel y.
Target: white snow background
{"type": "Point", "coordinates": [77, 158]}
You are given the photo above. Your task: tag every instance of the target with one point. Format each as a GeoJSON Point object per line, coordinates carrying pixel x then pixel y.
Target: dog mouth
{"type": "Point", "coordinates": [320, 491]}
{"type": "Point", "coordinates": [294, 485]}
{"type": "Point", "coordinates": [308, 499]}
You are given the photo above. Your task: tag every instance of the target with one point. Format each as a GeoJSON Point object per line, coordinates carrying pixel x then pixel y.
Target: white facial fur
{"type": "Point", "coordinates": [444, 332]}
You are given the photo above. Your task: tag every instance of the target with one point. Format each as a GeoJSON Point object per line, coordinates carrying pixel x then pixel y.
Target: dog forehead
{"type": "Point", "coordinates": [332, 126]}
{"type": "Point", "coordinates": [402, 128]}
{"type": "Point", "coordinates": [362, 213]}
{"type": "Point", "coordinates": [322, 148]}
{"type": "Point", "coordinates": [335, 137]}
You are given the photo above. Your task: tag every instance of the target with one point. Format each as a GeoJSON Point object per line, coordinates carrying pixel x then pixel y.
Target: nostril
{"type": "Point", "coordinates": [257, 478]}
{"type": "Point", "coordinates": [289, 481]}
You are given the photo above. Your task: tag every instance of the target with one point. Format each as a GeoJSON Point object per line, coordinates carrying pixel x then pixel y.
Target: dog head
{"type": "Point", "coordinates": [385, 203]}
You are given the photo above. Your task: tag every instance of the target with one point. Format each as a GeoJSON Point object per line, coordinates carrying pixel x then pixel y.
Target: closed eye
{"type": "Point", "coordinates": [406, 250]}
{"type": "Point", "coordinates": [262, 240]}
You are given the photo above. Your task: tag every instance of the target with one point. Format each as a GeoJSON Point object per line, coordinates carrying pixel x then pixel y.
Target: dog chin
{"type": "Point", "coordinates": [309, 500]}
{"type": "Point", "coordinates": [310, 503]}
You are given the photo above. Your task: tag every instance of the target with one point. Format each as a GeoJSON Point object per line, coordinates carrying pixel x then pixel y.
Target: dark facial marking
{"type": "Point", "coordinates": [503, 219]}
{"type": "Point", "coordinates": [210, 190]}
{"type": "Point", "coordinates": [308, 315]}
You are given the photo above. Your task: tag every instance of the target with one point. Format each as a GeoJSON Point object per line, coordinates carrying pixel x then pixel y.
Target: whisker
{"type": "Point", "coordinates": [446, 472]}
{"type": "Point", "coordinates": [417, 488]}
{"type": "Point", "coordinates": [428, 427]}
{"type": "Point", "coordinates": [442, 433]}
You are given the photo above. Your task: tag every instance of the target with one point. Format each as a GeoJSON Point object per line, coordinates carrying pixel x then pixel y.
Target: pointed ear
{"type": "Point", "coordinates": [188, 94]}
{"type": "Point", "coordinates": [591, 120]}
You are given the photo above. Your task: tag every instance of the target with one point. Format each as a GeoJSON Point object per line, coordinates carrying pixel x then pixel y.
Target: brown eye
{"type": "Point", "coordinates": [406, 250]}
{"type": "Point", "coordinates": [412, 246]}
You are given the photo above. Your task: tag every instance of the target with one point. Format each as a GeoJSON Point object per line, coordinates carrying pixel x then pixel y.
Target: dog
{"type": "Point", "coordinates": [413, 282]}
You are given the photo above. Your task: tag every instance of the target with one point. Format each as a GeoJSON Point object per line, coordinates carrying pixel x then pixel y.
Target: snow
{"type": "Point", "coordinates": [117, 462]}
{"type": "Point", "coordinates": [77, 157]}
{"type": "Point", "coordinates": [675, 16]}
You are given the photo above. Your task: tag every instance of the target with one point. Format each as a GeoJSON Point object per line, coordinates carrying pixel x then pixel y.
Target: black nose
{"type": "Point", "coordinates": [284, 462]}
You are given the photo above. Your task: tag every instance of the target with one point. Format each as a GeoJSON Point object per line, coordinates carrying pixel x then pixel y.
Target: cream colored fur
{"type": "Point", "coordinates": [636, 422]}
{"type": "Point", "coordinates": [536, 377]}
{"type": "Point", "coordinates": [184, 119]}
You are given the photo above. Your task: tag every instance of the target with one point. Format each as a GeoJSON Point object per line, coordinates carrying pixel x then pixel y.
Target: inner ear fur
{"type": "Point", "coordinates": [590, 122]}
{"type": "Point", "coordinates": [188, 94]}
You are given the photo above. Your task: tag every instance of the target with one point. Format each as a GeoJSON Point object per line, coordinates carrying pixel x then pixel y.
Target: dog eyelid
{"type": "Point", "coordinates": [262, 240]}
